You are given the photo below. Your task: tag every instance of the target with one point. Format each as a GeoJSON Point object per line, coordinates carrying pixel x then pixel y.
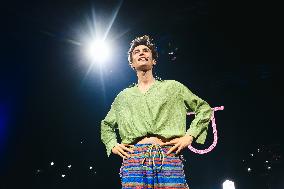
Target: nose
{"type": "Point", "coordinates": [141, 53]}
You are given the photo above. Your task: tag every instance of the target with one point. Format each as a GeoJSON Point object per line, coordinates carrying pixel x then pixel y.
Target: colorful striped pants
{"type": "Point", "coordinates": [150, 167]}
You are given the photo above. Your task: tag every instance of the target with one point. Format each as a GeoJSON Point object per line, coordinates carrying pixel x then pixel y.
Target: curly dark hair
{"type": "Point", "coordinates": [143, 40]}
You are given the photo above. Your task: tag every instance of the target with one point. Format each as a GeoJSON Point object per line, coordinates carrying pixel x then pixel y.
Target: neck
{"type": "Point", "coordinates": [145, 77]}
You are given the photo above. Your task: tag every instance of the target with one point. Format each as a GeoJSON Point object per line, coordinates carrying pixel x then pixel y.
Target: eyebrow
{"type": "Point", "coordinates": [146, 48]}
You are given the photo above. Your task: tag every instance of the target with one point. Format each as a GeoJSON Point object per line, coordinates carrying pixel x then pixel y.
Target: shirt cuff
{"type": "Point", "coordinates": [110, 145]}
{"type": "Point", "coordinates": [198, 137]}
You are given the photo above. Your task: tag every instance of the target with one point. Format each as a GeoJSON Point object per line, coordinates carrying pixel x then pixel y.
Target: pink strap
{"type": "Point", "coordinates": [214, 132]}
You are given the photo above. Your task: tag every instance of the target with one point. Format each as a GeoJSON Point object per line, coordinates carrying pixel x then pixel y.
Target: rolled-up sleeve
{"type": "Point", "coordinates": [108, 126]}
{"type": "Point", "coordinates": [199, 125]}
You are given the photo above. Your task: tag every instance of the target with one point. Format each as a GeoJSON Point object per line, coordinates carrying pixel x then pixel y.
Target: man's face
{"type": "Point", "coordinates": [142, 58]}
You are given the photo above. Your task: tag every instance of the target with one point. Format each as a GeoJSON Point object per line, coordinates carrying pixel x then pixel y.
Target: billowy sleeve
{"type": "Point", "coordinates": [203, 112]}
{"type": "Point", "coordinates": [108, 126]}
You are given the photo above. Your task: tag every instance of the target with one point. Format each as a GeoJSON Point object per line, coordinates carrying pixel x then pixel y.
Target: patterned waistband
{"type": "Point", "coordinates": [153, 152]}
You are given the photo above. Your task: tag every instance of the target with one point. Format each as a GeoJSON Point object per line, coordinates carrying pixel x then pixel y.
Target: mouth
{"type": "Point", "coordinates": [142, 59]}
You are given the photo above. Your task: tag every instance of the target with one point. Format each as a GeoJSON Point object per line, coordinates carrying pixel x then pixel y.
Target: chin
{"type": "Point", "coordinates": [144, 68]}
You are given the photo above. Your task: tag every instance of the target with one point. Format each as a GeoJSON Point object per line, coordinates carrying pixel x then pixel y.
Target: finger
{"type": "Point", "coordinates": [168, 143]}
{"type": "Point", "coordinates": [172, 149]}
{"type": "Point", "coordinates": [131, 145]}
{"type": "Point", "coordinates": [124, 153]}
{"type": "Point", "coordinates": [175, 140]}
{"type": "Point", "coordinates": [179, 149]}
{"type": "Point", "coordinates": [127, 149]}
{"type": "Point", "coordinates": [115, 150]}
{"type": "Point", "coordinates": [189, 144]}
{"type": "Point", "coordinates": [120, 154]}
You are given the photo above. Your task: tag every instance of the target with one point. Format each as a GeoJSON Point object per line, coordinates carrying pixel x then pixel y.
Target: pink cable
{"type": "Point", "coordinates": [214, 132]}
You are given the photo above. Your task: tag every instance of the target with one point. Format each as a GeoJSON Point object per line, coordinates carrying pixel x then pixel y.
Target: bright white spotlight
{"type": "Point", "coordinates": [228, 184]}
{"type": "Point", "coordinates": [97, 51]}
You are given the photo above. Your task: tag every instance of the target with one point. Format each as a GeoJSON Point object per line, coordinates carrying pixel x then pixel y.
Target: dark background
{"type": "Point", "coordinates": [51, 106]}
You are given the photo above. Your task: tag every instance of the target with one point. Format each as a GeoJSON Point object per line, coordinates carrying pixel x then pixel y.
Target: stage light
{"type": "Point", "coordinates": [228, 184]}
{"type": "Point", "coordinates": [97, 51]}
{"type": "Point", "coordinates": [38, 171]}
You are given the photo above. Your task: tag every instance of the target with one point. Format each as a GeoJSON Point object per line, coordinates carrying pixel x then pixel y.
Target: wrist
{"type": "Point", "coordinates": [190, 137]}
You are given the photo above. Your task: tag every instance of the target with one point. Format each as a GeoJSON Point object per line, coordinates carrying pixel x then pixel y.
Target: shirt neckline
{"type": "Point", "coordinates": [144, 93]}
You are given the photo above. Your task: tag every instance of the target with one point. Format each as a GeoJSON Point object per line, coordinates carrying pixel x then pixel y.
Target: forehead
{"type": "Point", "coordinates": [140, 47]}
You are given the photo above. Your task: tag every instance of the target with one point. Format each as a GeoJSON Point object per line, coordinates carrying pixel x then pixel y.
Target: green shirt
{"type": "Point", "coordinates": [160, 111]}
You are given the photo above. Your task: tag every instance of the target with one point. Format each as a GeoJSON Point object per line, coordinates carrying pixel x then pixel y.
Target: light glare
{"type": "Point", "coordinates": [97, 51]}
{"type": "Point", "coordinates": [228, 184]}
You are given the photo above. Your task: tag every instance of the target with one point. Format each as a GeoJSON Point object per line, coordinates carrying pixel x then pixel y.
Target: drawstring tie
{"type": "Point", "coordinates": [152, 155]}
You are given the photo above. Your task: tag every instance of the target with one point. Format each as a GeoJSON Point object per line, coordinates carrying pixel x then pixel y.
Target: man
{"type": "Point", "coordinates": [151, 119]}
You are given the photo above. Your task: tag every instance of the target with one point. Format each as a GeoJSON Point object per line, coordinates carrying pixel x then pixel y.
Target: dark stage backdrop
{"type": "Point", "coordinates": [52, 102]}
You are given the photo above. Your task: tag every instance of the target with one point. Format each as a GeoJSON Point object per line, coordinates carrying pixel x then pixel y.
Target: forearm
{"type": "Point", "coordinates": [199, 126]}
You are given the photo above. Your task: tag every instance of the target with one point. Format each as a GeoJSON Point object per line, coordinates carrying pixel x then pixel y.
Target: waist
{"type": "Point", "coordinates": [152, 139]}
